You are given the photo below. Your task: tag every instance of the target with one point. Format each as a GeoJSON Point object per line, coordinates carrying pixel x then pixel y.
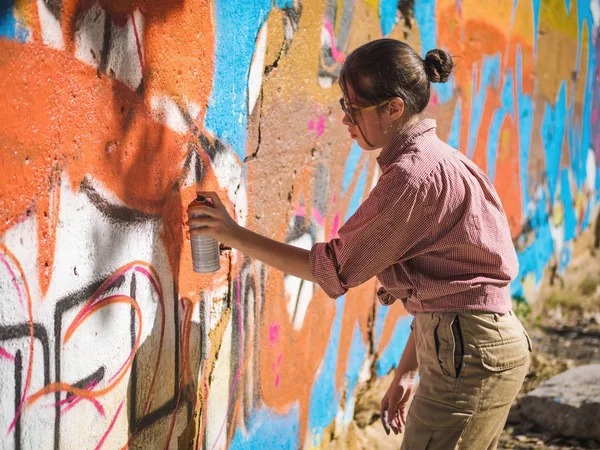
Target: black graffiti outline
{"type": "Point", "coordinates": [23, 330]}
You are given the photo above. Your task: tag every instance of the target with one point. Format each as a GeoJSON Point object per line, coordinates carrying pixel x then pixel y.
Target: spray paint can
{"type": "Point", "coordinates": [205, 250]}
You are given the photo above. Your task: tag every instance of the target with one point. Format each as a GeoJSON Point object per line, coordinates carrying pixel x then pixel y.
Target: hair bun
{"type": "Point", "coordinates": [438, 65]}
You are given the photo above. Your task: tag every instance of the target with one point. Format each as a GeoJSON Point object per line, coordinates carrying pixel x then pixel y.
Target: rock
{"type": "Point", "coordinates": [514, 415]}
{"type": "Point", "coordinates": [567, 404]}
{"type": "Point", "coordinates": [365, 417]}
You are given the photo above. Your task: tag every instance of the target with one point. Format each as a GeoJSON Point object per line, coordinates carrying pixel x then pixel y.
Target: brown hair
{"type": "Point", "coordinates": [387, 68]}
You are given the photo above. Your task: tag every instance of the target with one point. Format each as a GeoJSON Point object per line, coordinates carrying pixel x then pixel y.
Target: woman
{"type": "Point", "coordinates": [434, 233]}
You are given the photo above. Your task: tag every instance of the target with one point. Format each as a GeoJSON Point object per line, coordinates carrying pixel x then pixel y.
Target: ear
{"type": "Point", "coordinates": [396, 108]}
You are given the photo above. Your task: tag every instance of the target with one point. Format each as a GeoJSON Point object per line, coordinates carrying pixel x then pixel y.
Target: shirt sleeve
{"type": "Point", "coordinates": [386, 225]}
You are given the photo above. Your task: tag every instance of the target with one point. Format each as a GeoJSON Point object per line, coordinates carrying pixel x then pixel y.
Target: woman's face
{"type": "Point", "coordinates": [376, 124]}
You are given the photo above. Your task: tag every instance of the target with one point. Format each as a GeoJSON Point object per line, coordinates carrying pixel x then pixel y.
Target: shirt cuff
{"type": "Point", "coordinates": [323, 266]}
{"type": "Point", "coordinates": [384, 297]}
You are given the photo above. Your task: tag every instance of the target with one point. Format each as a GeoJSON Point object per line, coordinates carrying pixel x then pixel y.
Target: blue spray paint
{"type": "Point", "coordinates": [595, 97]}
{"type": "Point", "coordinates": [454, 138]}
{"type": "Point", "coordinates": [536, 23]}
{"type": "Point", "coordinates": [236, 29]}
{"type": "Point", "coordinates": [356, 356]}
{"type": "Point", "coordinates": [269, 430]}
{"type": "Point", "coordinates": [580, 134]}
{"type": "Point", "coordinates": [444, 91]}
{"type": "Point", "coordinates": [580, 140]}
{"type": "Point", "coordinates": [507, 106]}
{"type": "Point", "coordinates": [565, 257]}
{"type": "Point", "coordinates": [351, 164]}
{"type": "Point", "coordinates": [557, 121]}
{"type": "Point", "coordinates": [526, 111]}
{"type": "Point", "coordinates": [513, 13]}
{"type": "Point", "coordinates": [10, 27]}
{"type": "Point", "coordinates": [534, 258]}
{"type": "Point", "coordinates": [358, 192]}
{"type": "Point", "coordinates": [425, 17]}
{"type": "Point", "coordinates": [324, 400]}
{"type": "Point", "coordinates": [282, 4]}
{"type": "Point", "coordinates": [388, 359]}
{"type": "Point", "coordinates": [584, 14]}
{"type": "Point", "coordinates": [566, 197]}
{"type": "Point", "coordinates": [489, 77]}
{"type": "Point", "coordinates": [585, 223]}
{"type": "Point", "coordinates": [588, 102]}
{"type": "Point", "coordinates": [388, 16]}
{"type": "Point", "coordinates": [7, 20]}
{"type": "Point", "coordinates": [553, 133]}
{"type": "Point", "coordinates": [424, 11]}
{"type": "Point", "coordinates": [380, 315]}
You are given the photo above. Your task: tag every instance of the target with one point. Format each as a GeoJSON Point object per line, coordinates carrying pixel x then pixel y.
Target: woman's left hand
{"type": "Point", "coordinates": [394, 404]}
{"type": "Point", "coordinates": [217, 224]}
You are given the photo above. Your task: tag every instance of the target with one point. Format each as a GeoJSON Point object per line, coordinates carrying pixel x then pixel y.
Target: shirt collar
{"type": "Point", "coordinates": [394, 148]}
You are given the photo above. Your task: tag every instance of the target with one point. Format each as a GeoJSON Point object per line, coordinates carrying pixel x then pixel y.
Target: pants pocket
{"type": "Point", "coordinates": [449, 345]}
{"type": "Point", "coordinates": [504, 365]}
{"type": "Point", "coordinates": [459, 345]}
{"type": "Point", "coordinates": [433, 425]}
{"type": "Point", "coordinates": [529, 345]}
{"type": "Point", "coordinates": [505, 355]}
{"type": "Point", "coordinates": [417, 437]}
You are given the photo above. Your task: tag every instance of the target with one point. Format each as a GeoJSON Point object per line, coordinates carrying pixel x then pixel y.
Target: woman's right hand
{"type": "Point", "coordinates": [216, 222]}
{"type": "Point", "coordinates": [394, 404]}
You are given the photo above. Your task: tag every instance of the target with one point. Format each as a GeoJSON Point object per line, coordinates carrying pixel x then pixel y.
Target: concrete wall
{"type": "Point", "coordinates": [112, 111]}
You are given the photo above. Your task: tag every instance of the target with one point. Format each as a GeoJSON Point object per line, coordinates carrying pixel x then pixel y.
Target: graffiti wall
{"type": "Point", "coordinates": [112, 113]}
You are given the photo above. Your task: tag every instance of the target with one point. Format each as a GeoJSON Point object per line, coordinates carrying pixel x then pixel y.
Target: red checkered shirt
{"type": "Point", "coordinates": [432, 230]}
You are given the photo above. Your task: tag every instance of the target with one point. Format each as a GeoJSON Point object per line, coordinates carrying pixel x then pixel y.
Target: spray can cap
{"type": "Point", "coordinates": [202, 199]}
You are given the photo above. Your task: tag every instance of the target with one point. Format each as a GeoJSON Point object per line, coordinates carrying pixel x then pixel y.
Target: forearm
{"type": "Point", "coordinates": [408, 364]}
{"type": "Point", "coordinates": [287, 258]}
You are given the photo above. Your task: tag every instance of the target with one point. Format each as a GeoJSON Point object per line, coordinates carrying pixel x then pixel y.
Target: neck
{"type": "Point", "coordinates": [399, 126]}
{"type": "Point", "coordinates": [403, 124]}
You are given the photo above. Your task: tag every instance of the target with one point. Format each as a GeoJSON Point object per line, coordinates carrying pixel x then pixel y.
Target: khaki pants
{"type": "Point", "coordinates": [471, 368]}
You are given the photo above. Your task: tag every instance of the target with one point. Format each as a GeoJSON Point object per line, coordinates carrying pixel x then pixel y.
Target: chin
{"type": "Point", "coordinates": [362, 144]}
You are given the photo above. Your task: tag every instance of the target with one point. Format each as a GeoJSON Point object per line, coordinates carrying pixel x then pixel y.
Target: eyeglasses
{"type": "Point", "coordinates": [350, 112]}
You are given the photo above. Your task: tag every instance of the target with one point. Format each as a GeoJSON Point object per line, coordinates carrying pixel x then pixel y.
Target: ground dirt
{"type": "Point", "coordinates": [564, 325]}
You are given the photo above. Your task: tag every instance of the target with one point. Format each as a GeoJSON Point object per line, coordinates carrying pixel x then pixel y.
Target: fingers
{"type": "Point", "coordinates": [384, 415]}
{"type": "Point", "coordinates": [404, 404]}
{"type": "Point", "coordinates": [213, 196]}
{"type": "Point", "coordinates": [200, 222]}
{"type": "Point", "coordinates": [200, 209]}
{"type": "Point", "coordinates": [403, 410]}
{"type": "Point", "coordinates": [396, 422]}
{"type": "Point", "coordinates": [389, 417]}
{"type": "Point", "coordinates": [393, 421]}
{"type": "Point", "coordinates": [394, 406]}
{"type": "Point", "coordinates": [384, 421]}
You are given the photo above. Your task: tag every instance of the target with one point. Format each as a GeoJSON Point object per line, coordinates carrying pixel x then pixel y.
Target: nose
{"type": "Point", "coordinates": [346, 120]}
